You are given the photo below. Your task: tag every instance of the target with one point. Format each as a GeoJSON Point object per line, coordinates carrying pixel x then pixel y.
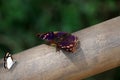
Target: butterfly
{"type": "Point", "coordinates": [8, 61]}
{"type": "Point", "coordinates": [62, 40]}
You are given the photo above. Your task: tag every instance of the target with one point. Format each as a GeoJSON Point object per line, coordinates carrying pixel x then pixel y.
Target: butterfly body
{"type": "Point", "coordinates": [62, 40]}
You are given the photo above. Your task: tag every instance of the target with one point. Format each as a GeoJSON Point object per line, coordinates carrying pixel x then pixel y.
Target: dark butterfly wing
{"type": "Point", "coordinates": [69, 43]}
{"type": "Point", "coordinates": [46, 36]}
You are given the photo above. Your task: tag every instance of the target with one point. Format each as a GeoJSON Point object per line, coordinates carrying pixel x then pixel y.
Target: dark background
{"type": "Point", "coordinates": [20, 20]}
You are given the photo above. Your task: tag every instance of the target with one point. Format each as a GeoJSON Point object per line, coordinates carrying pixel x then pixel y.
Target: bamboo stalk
{"type": "Point", "coordinates": [99, 51]}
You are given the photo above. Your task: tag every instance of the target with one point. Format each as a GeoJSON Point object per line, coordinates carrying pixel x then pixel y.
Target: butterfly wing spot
{"type": "Point", "coordinates": [45, 36]}
{"type": "Point", "coordinates": [68, 46]}
{"type": "Point", "coordinates": [71, 45]}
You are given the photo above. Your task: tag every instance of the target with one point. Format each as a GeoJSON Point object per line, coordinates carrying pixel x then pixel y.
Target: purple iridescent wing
{"type": "Point", "coordinates": [66, 41]}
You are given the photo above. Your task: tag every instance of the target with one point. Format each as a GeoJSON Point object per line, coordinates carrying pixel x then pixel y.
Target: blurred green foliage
{"type": "Point", "coordinates": [20, 20]}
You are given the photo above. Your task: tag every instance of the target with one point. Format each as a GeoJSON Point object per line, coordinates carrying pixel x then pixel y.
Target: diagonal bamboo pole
{"type": "Point", "coordinates": [99, 51]}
